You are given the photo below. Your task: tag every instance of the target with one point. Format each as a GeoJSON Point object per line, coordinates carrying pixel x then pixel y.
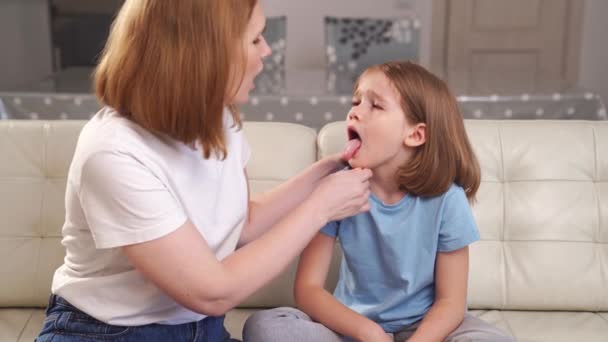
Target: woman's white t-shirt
{"type": "Point", "coordinates": [127, 186]}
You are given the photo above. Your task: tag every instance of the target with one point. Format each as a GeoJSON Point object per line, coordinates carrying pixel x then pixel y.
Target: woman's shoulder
{"type": "Point", "coordinates": [108, 131]}
{"type": "Point", "coordinates": [117, 145]}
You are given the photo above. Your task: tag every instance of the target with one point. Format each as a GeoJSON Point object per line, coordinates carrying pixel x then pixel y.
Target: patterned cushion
{"type": "Point", "coordinates": [353, 44]}
{"type": "Point", "coordinates": [272, 79]}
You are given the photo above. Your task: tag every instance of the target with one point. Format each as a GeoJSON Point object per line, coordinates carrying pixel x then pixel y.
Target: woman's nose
{"type": "Point", "coordinates": [266, 51]}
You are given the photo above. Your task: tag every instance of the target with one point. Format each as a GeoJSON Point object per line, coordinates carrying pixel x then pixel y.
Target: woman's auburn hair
{"type": "Point", "coordinates": [167, 65]}
{"type": "Point", "coordinates": [447, 156]}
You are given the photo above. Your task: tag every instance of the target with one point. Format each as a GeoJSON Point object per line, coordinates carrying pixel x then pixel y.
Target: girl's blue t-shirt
{"type": "Point", "coordinates": [388, 269]}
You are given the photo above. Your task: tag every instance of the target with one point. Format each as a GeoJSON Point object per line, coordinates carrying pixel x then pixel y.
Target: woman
{"type": "Point", "coordinates": [157, 195]}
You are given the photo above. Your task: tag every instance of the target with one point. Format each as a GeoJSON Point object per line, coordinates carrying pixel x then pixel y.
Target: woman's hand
{"type": "Point", "coordinates": [336, 161]}
{"type": "Point", "coordinates": [340, 159]}
{"type": "Point", "coordinates": [343, 194]}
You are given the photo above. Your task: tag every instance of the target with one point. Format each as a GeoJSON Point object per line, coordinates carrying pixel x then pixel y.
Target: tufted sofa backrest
{"type": "Point", "coordinates": [542, 208]}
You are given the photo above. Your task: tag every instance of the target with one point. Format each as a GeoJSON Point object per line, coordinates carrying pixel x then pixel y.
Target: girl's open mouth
{"type": "Point", "coordinates": [353, 145]}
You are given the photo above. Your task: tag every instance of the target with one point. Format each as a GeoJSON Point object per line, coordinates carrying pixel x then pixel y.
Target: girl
{"type": "Point", "coordinates": [405, 266]}
{"type": "Point", "coordinates": [157, 194]}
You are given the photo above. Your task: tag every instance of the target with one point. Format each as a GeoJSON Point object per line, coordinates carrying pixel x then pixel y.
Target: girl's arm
{"type": "Point", "coordinates": [266, 209]}
{"type": "Point", "coordinates": [312, 298]}
{"type": "Point", "coordinates": [447, 312]}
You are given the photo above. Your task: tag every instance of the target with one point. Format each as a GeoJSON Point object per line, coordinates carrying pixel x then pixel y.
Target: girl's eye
{"type": "Point", "coordinates": [356, 102]}
{"type": "Point", "coordinates": [377, 106]}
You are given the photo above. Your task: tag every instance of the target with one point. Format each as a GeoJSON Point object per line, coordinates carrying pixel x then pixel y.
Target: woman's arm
{"type": "Point", "coordinates": [267, 208]}
{"type": "Point", "coordinates": [183, 265]}
{"type": "Point", "coordinates": [312, 298]}
{"type": "Point", "coordinates": [447, 312]}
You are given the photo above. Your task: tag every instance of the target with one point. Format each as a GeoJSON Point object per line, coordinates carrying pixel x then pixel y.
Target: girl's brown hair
{"type": "Point", "coordinates": [446, 157]}
{"type": "Point", "coordinates": [167, 66]}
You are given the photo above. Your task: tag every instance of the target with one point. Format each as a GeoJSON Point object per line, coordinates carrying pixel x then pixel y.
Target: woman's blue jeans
{"type": "Point", "coordinates": [64, 322]}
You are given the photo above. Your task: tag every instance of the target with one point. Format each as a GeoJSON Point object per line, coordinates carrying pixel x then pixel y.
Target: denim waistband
{"type": "Point", "coordinates": [66, 316]}
{"type": "Point", "coordinates": [55, 300]}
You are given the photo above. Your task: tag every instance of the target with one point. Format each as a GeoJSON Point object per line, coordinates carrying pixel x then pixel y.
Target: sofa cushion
{"type": "Point", "coordinates": [35, 158]}
{"type": "Point", "coordinates": [20, 325]}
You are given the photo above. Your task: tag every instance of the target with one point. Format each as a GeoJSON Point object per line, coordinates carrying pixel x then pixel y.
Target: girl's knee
{"type": "Point", "coordinates": [264, 322]}
{"type": "Point", "coordinates": [283, 313]}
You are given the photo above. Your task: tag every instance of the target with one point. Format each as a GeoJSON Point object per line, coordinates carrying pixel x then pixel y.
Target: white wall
{"type": "Point", "coordinates": [305, 38]}
{"type": "Point", "coordinates": [594, 54]}
{"type": "Point", "coordinates": [26, 44]}
{"type": "Point", "coordinates": [25, 55]}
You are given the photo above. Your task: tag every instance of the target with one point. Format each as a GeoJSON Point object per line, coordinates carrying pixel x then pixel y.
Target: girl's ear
{"type": "Point", "coordinates": [417, 136]}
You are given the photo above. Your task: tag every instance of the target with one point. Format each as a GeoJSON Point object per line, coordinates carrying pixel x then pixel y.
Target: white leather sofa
{"type": "Point", "coordinates": [540, 270]}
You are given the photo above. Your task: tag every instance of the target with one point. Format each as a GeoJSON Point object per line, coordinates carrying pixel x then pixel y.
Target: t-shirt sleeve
{"type": "Point", "coordinates": [458, 228]}
{"type": "Point", "coordinates": [331, 229]}
{"type": "Point", "coordinates": [124, 202]}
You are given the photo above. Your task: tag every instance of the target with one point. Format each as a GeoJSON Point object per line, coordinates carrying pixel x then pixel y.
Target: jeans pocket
{"type": "Point", "coordinates": [80, 324]}
{"type": "Point", "coordinates": [49, 320]}
{"type": "Point", "coordinates": [48, 325]}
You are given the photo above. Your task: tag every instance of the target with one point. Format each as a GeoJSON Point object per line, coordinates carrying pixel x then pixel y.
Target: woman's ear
{"type": "Point", "coordinates": [417, 136]}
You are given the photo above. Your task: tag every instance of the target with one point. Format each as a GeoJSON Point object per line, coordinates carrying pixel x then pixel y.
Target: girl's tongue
{"type": "Point", "coordinates": [351, 148]}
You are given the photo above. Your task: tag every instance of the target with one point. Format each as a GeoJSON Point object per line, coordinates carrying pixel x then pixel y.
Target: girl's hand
{"type": "Point", "coordinates": [375, 333]}
{"type": "Point", "coordinates": [342, 194]}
